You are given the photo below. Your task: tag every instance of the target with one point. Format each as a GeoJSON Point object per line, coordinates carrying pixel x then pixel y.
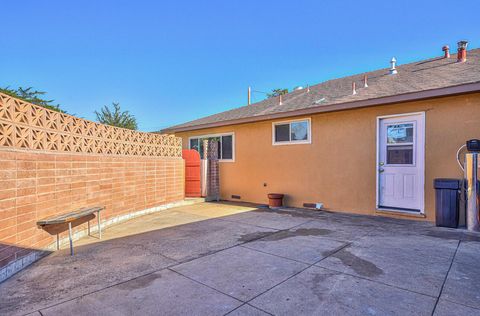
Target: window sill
{"type": "Point", "coordinates": [291, 143]}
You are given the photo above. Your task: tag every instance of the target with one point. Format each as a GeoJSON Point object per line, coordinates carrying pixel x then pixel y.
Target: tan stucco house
{"type": "Point", "coordinates": [370, 143]}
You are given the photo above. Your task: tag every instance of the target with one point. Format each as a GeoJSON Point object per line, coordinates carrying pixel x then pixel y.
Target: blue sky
{"type": "Point", "coordinates": [174, 61]}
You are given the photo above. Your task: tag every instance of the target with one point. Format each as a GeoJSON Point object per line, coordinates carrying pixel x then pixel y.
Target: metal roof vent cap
{"type": "Point", "coordinates": [446, 50]}
{"type": "Point", "coordinates": [462, 51]}
{"type": "Point", "coordinates": [393, 70]}
{"type": "Point", "coordinates": [298, 88]}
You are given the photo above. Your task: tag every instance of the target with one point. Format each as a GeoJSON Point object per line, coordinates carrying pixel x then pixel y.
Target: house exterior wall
{"type": "Point", "coordinates": [339, 167]}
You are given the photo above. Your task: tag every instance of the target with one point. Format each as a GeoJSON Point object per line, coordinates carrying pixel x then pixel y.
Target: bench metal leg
{"type": "Point", "coordinates": [70, 237]}
{"type": "Point", "coordinates": [58, 243]}
{"type": "Point", "coordinates": [99, 226]}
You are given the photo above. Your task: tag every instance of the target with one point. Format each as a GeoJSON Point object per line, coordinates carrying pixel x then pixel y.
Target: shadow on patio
{"type": "Point", "coordinates": [126, 250]}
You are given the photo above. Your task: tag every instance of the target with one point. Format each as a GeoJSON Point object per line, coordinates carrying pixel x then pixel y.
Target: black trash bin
{"type": "Point", "coordinates": [447, 197]}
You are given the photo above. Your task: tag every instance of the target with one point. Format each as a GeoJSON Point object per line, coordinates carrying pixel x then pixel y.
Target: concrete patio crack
{"type": "Point", "coordinates": [469, 306]}
{"type": "Point", "coordinates": [376, 281]}
{"type": "Point", "coordinates": [246, 304]}
{"type": "Point", "coordinates": [446, 277]}
{"type": "Point", "coordinates": [297, 273]}
{"type": "Point", "coordinates": [212, 288]}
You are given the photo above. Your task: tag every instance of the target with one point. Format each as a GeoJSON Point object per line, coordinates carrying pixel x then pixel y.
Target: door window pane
{"type": "Point", "coordinates": [299, 130]}
{"type": "Point", "coordinates": [400, 155]}
{"type": "Point", "coordinates": [282, 133]}
{"type": "Point", "coordinates": [227, 152]}
{"type": "Point", "coordinates": [400, 133]}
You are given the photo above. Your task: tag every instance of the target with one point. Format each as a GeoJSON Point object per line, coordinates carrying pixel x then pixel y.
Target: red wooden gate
{"type": "Point", "coordinates": [192, 172]}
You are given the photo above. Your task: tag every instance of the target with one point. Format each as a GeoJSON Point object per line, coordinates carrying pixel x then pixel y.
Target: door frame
{"type": "Point", "coordinates": [421, 160]}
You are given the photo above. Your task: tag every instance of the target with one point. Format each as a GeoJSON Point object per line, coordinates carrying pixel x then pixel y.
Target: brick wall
{"type": "Point", "coordinates": [52, 163]}
{"type": "Point", "coordinates": [37, 185]}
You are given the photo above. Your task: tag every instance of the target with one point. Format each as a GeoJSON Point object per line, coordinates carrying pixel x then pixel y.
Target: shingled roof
{"type": "Point", "coordinates": [418, 80]}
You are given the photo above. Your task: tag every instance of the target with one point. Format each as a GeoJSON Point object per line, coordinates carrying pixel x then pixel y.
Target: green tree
{"type": "Point", "coordinates": [277, 92]}
{"type": "Point", "coordinates": [32, 96]}
{"type": "Point", "coordinates": [116, 117]}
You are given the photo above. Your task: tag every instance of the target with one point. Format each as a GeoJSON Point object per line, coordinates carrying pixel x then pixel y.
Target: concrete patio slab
{"type": "Point", "coordinates": [301, 244]}
{"type": "Point", "coordinates": [218, 210]}
{"type": "Point", "coordinates": [446, 308]}
{"type": "Point", "coordinates": [269, 218]}
{"type": "Point", "coordinates": [60, 276]}
{"type": "Point", "coordinates": [317, 291]}
{"type": "Point", "coordinates": [247, 310]}
{"type": "Point", "coordinates": [151, 222]}
{"type": "Point", "coordinates": [468, 253]}
{"type": "Point", "coordinates": [463, 285]}
{"type": "Point", "coordinates": [119, 257]}
{"type": "Point", "coordinates": [240, 272]}
{"type": "Point", "coordinates": [170, 218]}
{"type": "Point", "coordinates": [186, 242]}
{"type": "Point", "coordinates": [415, 264]}
{"type": "Point", "coordinates": [228, 255]}
{"type": "Point", "coordinates": [154, 294]}
{"type": "Point", "coordinates": [420, 247]}
{"type": "Point", "coordinates": [334, 229]}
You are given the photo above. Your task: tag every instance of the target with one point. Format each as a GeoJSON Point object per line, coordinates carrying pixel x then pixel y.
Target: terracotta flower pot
{"type": "Point", "coordinates": [275, 200]}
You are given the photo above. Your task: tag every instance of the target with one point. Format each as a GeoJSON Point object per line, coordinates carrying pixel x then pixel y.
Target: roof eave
{"type": "Point", "coordinates": [406, 97]}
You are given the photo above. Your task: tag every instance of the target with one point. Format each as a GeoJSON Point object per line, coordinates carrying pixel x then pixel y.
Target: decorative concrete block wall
{"type": "Point", "coordinates": [52, 163]}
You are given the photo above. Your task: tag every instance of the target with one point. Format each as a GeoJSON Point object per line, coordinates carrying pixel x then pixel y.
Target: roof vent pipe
{"type": "Point", "coordinates": [308, 88]}
{"type": "Point", "coordinates": [354, 91]}
{"type": "Point", "coordinates": [446, 50]}
{"type": "Point", "coordinates": [462, 51]}
{"type": "Point", "coordinates": [393, 70]}
{"type": "Point", "coordinates": [365, 81]}
{"type": "Point", "coordinates": [249, 95]}
{"type": "Point", "coordinates": [280, 100]}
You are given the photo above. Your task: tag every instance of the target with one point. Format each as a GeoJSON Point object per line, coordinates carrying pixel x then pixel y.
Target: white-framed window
{"type": "Point", "coordinates": [226, 148]}
{"type": "Point", "coordinates": [292, 132]}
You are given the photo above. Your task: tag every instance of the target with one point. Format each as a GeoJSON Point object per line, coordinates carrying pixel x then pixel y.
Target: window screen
{"type": "Point", "coordinates": [299, 130]}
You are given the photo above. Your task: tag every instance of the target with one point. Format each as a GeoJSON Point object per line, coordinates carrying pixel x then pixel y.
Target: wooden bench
{"type": "Point", "coordinates": [69, 218]}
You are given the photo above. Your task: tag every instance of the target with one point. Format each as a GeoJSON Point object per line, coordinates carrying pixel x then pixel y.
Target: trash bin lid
{"type": "Point", "coordinates": [444, 183]}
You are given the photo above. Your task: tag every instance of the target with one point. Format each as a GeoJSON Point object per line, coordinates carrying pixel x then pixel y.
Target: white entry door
{"type": "Point", "coordinates": [400, 169]}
